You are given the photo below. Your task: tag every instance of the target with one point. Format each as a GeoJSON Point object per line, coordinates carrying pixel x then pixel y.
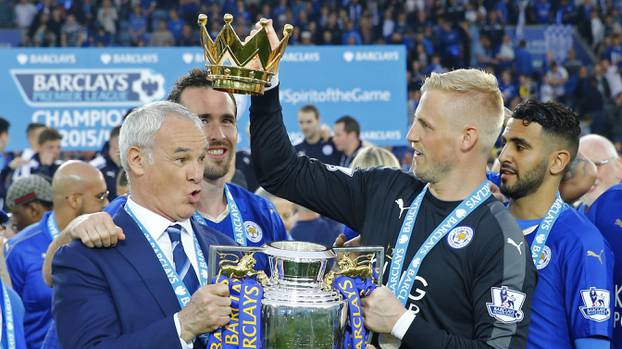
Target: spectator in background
{"type": "Point", "coordinates": [612, 75]}
{"type": "Point", "coordinates": [27, 199]}
{"type": "Point", "coordinates": [25, 13]}
{"type": "Point", "coordinates": [47, 160]}
{"type": "Point", "coordinates": [32, 134]}
{"type": "Point", "coordinates": [524, 60]}
{"type": "Point", "coordinates": [598, 29]}
{"type": "Point", "coordinates": [484, 54]}
{"type": "Point", "coordinates": [70, 33]}
{"type": "Point", "coordinates": [162, 36]}
{"type": "Point", "coordinates": [347, 139]}
{"type": "Point", "coordinates": [175, 24]}
{"type": "Point", "coordinates": [109, 163]}
{"type": "Point", "coordinates": [312, 227]}
{"type": "Point", "coordinates": [508, 89]}
{"type": "Point", "coordinates": [138, 26]}
{"type": "Point", "coordinates": [107, 17]}
{"type": "Point", "coordinates": [286, 209]}
{"type": "Point", "coordinates": [602, 153]}
{"type": "Point", "coordinates": [554, 83]}
{"type": "Point", "coordinates": [188, 37]}
{"type": "Point", "coordinates": [43, 34]}
{"type": "Point", "coordinates": [505, 57]}
{"type": "Point", "coordinates": [313, 145]}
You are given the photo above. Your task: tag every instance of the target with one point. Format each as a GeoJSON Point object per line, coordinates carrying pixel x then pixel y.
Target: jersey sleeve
{"type": "Point", "coordinates": [332, 191]}
{"type": "Point", "coordinates": [15, 266]}
{"type": "Point", "coordinates": [502, 280]}
{"type": "Point", "coordinates": [588, 279]}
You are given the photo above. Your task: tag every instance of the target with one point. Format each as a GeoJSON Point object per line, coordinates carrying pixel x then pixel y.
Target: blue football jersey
{"type": "Point", "coordinates": [17, 307]}
{"type": "Point", "coordinates": [573, 297]}
{"type": "Point", "coordinates": [606, 214]}
{"type": "Point", "coordinates": [24, 259]}
{"type": "Point", "coordinates": [262, 223]}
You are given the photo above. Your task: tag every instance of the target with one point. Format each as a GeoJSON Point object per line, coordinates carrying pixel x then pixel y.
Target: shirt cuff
{"type": "Point", "coordinates": [183, 343]}
{"type": "Point", "coordinates": [402, 324]}
{"type": "Point", "coordinates": [274, 81]}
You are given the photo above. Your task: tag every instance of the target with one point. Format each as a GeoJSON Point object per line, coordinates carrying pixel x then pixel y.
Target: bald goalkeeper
{"type": "Point", "coordinates": [78, 188]}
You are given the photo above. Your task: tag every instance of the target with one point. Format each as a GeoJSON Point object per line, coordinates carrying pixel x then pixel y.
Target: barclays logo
{"type": "Point", "coordinates": [82, 87]}
{"type": "Point", "coordinates": [371, 56]}
{"type": "Point", "coordinates": [48, 58]}
{"type": "Point", "coordinates": [129, 58]}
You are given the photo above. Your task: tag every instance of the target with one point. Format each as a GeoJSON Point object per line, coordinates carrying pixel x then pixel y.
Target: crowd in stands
{"type": "Point", "coordinates": [438, 35]}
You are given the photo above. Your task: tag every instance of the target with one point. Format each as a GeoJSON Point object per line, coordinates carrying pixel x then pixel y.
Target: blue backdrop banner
{"type": "Point", "coordinates": [85, 92]}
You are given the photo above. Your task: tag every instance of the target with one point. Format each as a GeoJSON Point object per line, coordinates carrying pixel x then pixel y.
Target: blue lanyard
{"type": "Point", "coordinates": [545, 227]}
{"type": "Point", "coordinates": [237, 223]}
{"type": "Point", "coordinates": [401, 285]}
{"type": "Point", "coordinates": [177, 284]}
{"type": "Point", "coordinates": [182, 293]}
{"type": "Point", "coordinates": [8, 318]}
{"type": "Point", "coordinates": [52, 227]}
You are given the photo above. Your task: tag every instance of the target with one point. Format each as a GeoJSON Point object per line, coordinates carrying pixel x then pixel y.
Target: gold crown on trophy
{"type": "Point", "coordinates": [238, 67]}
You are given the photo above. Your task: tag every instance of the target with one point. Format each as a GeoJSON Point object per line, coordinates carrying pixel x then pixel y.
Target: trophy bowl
{"type": "Point", "coordinates": [301, 306]}
{"type": "Point", "coordinates": [297, 312]}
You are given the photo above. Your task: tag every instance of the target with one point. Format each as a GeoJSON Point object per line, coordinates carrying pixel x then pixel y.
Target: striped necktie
{"type": "Point", "coordinates": [182, 262]}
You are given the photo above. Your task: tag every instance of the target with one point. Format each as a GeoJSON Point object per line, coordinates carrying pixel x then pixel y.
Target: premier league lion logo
{"type": "Point", "coordinates": [506, 304]}
{"type": "Point", "coordinates": [595, 304]}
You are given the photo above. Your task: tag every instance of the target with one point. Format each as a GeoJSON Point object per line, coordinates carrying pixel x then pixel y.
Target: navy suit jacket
{"type": "Point", "coordinates": [118, 298]}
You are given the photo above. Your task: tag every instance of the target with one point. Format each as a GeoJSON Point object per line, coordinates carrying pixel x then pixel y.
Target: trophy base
{"type": "Point", "coordinates": [286, 327]}
{"type": "Point", "coordinates": [238, 80]}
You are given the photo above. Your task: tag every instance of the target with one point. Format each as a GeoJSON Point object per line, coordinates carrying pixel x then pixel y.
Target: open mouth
{"type": "Point", "coordinates": [195, 195]}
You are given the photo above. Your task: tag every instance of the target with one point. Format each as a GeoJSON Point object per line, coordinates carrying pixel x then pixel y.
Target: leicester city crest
{"type": "Point", "coordinates": [506, 304]}
{"type": "Point", "coordinates": [595, 304]}
{"type": "Point", "coordinates": [459, 237]}
{"type": "Point", "coordinates": [253, 231]}
{"type": "Point", "coordinates": [544, 258]}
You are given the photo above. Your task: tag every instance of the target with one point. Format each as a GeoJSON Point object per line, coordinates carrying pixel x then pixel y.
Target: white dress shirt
{"type": "Point", "coordinates": [156, 226]}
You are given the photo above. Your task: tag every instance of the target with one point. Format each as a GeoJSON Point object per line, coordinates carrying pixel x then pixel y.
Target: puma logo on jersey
{"type": "Point", "coordinates": [400, 205]}
{"type": "Point", "coordinates": [618, 222]}
{"type": "Point", "coordinates": [598, 256]}
{"type": "Point", "coordinates": [513, 243]}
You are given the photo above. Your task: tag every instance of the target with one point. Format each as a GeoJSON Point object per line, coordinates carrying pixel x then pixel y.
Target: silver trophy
{"type": "Point", "coordinates": [300, 308]}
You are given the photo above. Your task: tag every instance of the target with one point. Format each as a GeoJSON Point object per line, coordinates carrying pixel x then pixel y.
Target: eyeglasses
{"type": "Point", "coordinates": [103, 195]}
{"type": "Point", "coordinates": [603, 162]}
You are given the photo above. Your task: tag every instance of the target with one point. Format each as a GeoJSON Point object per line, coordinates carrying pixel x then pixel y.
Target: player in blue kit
{"type": "Point", "coordinates": [573, 301]}
{"type": "Point", "coordinates": [247, 218]}
{"type": "Point", "coordinates": [77, 188]}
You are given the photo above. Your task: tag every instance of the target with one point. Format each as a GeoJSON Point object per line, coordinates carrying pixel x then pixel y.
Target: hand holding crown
{"type": "Point", "coordinates": [243, 67]}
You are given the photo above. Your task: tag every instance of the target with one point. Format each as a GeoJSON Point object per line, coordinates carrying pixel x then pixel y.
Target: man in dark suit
{"type": "Point", "coordinates": [150, 291]}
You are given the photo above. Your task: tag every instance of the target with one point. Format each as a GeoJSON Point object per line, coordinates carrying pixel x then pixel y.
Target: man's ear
{"type": "Point", "coordinates": [559, 161]}
{"type": "Point", "coordinates": [136, 160]}
{"type": "Point", "coordinates": [469, 138]}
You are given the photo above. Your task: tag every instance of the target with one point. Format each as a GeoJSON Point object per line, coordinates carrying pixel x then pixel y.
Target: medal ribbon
{"type": "Point", "coordinates": [177, 284]}
{"type": "Point", "coordinates": [545, 227]}
{"type": "Point", "coordinates": [401, 286]}
{"type": "Point", "coordinates": [352, 289]}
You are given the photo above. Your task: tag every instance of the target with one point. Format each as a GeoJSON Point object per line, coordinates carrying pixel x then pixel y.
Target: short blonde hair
{"type": "Point", "coordinates": [371, 157]}
{"type": "Point", "coordinates": [477, 99]}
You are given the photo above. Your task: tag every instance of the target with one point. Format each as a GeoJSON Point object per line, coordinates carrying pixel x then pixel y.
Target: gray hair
{"type": "Point", "coordinates": [141, 125]}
